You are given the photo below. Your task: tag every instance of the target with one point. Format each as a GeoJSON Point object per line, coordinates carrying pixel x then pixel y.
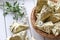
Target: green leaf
{"type": "Point", "coordinates": [15, 17]}
{"type": "Point", "coordinates": [14, 9]}
{"type": "Point", "coordinates": [21, 14]}
{"type": "Point", "coordinates": [17, 7]}
{"type": "Point", "coordinates": [5, 13]}
{"type": "Point", "coordinates": [15, 3]}
{"type": "Point", "coordinates": [8, 4]}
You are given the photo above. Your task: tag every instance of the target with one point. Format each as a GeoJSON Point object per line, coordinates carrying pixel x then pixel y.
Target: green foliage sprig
{"type": "Point", "coordinates": [15, 8]}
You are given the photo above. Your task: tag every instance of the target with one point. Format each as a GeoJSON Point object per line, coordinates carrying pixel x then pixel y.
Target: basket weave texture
{"type": "Point", "coordinates": [33, 20]}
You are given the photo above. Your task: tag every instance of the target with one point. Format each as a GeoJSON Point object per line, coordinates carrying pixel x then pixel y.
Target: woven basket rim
{"type": "Point", "coordinates": [39, 31]}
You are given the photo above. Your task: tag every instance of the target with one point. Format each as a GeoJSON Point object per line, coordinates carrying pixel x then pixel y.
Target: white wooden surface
{"type": "Point", "coordinates": [7, 21]}
{"type": "Point", "coordinates": [30, 4]}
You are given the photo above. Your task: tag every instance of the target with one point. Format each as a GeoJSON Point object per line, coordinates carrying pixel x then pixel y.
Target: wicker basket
{"type": "Point", "coordinates": [33, 20]}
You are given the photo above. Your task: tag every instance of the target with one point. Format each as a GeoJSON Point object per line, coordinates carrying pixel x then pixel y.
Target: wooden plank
{"type": "Point", "coordinates": [29, 8]}
{"type": "Point", "coordinates": [28, 31]}
{"type": "Point", "coordinates": [8, 21]}
{"type": "Point", "coordinates": [2, 23]}
{"type": "Point", "coordinates": [2, 26]}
